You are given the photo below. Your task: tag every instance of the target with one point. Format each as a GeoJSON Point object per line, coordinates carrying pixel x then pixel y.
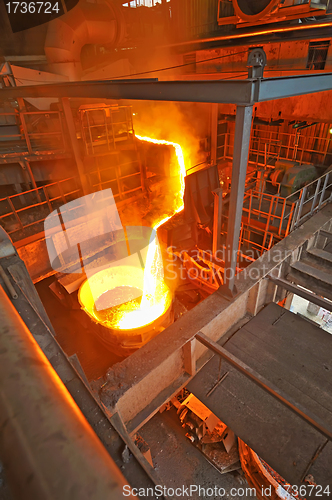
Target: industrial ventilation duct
{"type": "Point", "coordinates": [87, 23]}
{"type": "Point", "coordinates": [253, 10]}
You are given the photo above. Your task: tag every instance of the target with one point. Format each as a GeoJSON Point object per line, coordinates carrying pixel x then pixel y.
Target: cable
{"type": "Point", "coordinates": [237, 73]}
{"type": "Point", "coordinates": [26, 80]}
{"type": "Point", "coordinates": [163, 69]}
{"type": "Point", "coordinates": [29, 80]}
{"type": "Point", "coordinates": [181, 65]}
{"type": "Point", "coordinates": [219, 73]}
{"type": "Point", "coordinates": [244, 73]}
{"type": "Point", "coordinates": [195, 62]}
{"type": "Point", "coordinates": [19, 80]}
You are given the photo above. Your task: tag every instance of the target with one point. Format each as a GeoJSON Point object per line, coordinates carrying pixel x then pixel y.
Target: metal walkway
{"type": "Point", "coordinates": [295, 356]}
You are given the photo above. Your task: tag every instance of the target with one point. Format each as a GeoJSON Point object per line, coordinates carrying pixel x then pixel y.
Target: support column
{"type": "Point", "coordinates": [217, 214]}
{"type": "Point", "coordinates": [21, 105]}
{"type": "Point", "coordinates": [239, 171]}
{"type": "Point", "coordinates": [26, 166]}
{"type": "Point", "coordinates": [214, 132]}
{"type": "Point", "coordinates": [74, 144]}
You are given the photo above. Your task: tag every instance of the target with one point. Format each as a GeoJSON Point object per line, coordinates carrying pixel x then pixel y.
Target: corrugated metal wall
{"type": "Point", "coordinates": [194, 18]}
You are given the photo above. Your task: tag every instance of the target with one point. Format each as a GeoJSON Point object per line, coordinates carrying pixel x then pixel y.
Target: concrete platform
{"type": "Point", "coordinates": [294, 355]}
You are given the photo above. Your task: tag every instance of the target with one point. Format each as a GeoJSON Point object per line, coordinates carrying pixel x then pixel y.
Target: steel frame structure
{"type": "Point", "coordinates": [45, 198]}
{"type": "Point", "coordinates": [105, 127]}
{"type": "Point", "coordinates": [239, 92]}
{"type": "Point", "coordinates": [27, 141]}
{"type": "Point", "coordinates": [288, 12]}
{"type": "Point", "coordinates": [243, 93]}
{"type": "Point", "coordinates": [274, 142]}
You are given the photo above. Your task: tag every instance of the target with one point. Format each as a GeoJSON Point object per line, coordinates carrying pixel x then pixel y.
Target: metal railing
{"type": "Point", "coordinates": [105, 127]}
{"type": "Point", "coordinates": [312, 198]}
{"type": "Point", "coordinates": [270, 149]}
{"type": "Point", "coordinates": [246, 239]}
{"type": "Point", "coordinates": [271, 215]}
{"type": "Point", "coordinates": [312, 144]}
{"type": "Point", "coordinates": [206, 269]}
{"type": "Point", "coordinates": [32, 131]}
{"type": "Point", "coordinates": [41, 202]}
{"type": "Point", "coordinates": [276, 215]}
{"type": "Point", "coordinates": [117, 178]}
{"type": "Point", "coordinates": [272, 211]}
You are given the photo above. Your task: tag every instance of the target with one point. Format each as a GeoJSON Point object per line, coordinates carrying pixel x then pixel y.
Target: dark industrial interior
{"type": "Point", "coordinates": [166, 250]}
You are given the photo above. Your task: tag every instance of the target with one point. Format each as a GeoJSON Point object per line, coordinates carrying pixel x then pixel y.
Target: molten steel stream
{"type": "Point", "coordinates": [125, 281]}
{"type": "Point", "coordinates": [155, 298]}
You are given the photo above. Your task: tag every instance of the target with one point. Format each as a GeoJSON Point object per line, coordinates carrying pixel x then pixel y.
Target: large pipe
{"type": "Point", "coordinates": [47, 448]}
{"type": "Point", "coordinates": [253, 10]}
{"type": "Point", "coordinates": [86, 23]}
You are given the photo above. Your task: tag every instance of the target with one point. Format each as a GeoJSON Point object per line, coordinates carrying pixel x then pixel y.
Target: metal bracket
{"type": "Point", "coordinates": [7, 78]}
{"type": "Point", "coordinates": [256, 62]}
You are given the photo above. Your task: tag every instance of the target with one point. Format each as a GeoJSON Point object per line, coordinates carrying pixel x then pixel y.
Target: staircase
{"type": "Point", "coordinates": [314, 269]}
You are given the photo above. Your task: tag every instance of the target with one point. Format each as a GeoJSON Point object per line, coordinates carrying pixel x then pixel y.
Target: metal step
{"type": "Point", "coordinates": [321, 256]}
{"type": "Point", "coordinates": [315, 257]}
{"type": "Point", "coordinates": [317, 280]}
{"type": "Point", "coordinates": [325, 234]}
{"type": "Point", "coordinates": [313, 272]}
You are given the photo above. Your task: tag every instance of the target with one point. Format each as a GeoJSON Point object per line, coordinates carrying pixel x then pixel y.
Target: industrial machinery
{"type": "Point", "coordinates": [216, 441]}
{"type": "Point", "coordinates": [128, 324]}
{"type": "Point", "coordinates": [291, 176]}
{"type": "Point", "coordinates": [251, 12]}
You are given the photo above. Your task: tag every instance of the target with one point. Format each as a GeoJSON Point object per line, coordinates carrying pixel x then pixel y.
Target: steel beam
{"type": "Point", "coordinates": [239, 170]}
{"type": "Point", "coordinates": [218, 91]}
{"type": "Point", "coordinates": [48, 449]}
{"type": "Point", "coordinates": [75, 145]}
{"type": "Point", "coordinates": [214, 133]}
{"type": "Point", "coordinates": [217, 214]}
{"type": "Point", "coordinates": [291, 86]}
{"type": "Point", "coordinates": [241, 92]}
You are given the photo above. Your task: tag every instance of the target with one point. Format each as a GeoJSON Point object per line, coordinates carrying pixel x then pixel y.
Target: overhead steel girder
{"type": "Point", "coordinates": [222, 91]}
{"type": "Point", "coordinates": [291, 86]}
{"type": "Point", "coordinates": [239, 92]}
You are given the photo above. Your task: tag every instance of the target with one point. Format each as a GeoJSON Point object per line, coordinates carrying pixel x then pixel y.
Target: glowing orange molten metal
{"type": "Point", "coordinates": [155, 297]}
{"type": "Point", "coordinates": [182, 169]}
{"type": "Point", "coordinates": [153, 273]}
{"type": "Point", "coordinates": [128, 314]}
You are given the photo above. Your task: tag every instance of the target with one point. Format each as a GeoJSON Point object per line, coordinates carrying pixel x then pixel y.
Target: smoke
{"type": "Point", "coordinates": [182, 123]}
